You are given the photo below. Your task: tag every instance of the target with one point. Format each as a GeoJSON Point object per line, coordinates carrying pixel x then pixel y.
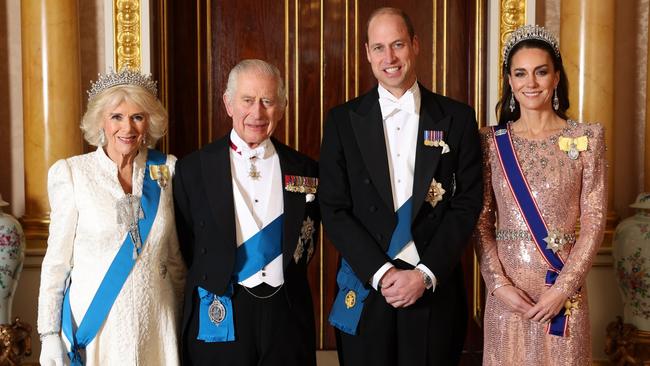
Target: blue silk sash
{"type": "Point", "coordinates": [117, 273]}
{"type": "Point", "coordinates": [252, 256]}
{"type": "Point", "coordinates": [346, 311]}
{"type": "Point", "coordinates": [532, 216]}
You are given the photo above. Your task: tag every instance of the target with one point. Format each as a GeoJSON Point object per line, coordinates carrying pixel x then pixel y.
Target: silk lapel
{"type": "Point", "coordinates": [427, 157]}
{"type": "Point", "coordinates": [294, 205]}
{"type": "Point", "coordinates": [215, 163]}
{"type": "Point", "coordinates": [368, 128]}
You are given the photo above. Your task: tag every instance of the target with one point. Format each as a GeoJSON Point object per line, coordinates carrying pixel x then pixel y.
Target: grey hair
{"type": "Point", "coordinates": [109, 99]}
{"type": "Point", "coordinates": [261, 67]}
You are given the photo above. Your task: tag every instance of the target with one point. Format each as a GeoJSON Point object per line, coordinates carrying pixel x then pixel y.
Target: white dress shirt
{"type": "Point", "coordinates": [257, 201]}
{"type": "Point", "coordinates": [401, 118]}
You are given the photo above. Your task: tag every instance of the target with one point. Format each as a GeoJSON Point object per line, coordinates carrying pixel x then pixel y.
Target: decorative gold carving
{"type": "Point", "coordinates": [625, 344]}
{"type": "Point", "coordinates": [513, 16]}
{"type": "Point", "coordinates": [15, 342]}
{"type": "Point", "coordinates": [127, 33]}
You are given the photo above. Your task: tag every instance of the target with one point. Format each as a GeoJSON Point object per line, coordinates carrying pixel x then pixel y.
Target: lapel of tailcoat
{"type": "Point", "coordinates": [427, 157]}
{"type": "Point", "coordinates": [215, 164]}
{"type": "Point", "coordinates": [368, 127]}
{"type": "Point", "coordinates": [294, 204]}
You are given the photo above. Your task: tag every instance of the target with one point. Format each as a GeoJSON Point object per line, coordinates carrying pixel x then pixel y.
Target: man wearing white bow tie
{"type": "Point", "coordinates": [400, 193]}
{"type": "Point", "coordinates": [247, 223]}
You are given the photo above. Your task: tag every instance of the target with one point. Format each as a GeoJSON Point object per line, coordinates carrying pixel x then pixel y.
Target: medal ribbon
{"type": "Point", "coordinates": [345, 317]}
{"type": "Point", "coordinates": [531, 214]}
{"type": "Point", "coordinates": [117, 273]}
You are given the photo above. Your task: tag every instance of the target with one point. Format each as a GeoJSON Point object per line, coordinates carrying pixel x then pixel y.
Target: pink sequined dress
{"type": "Point", "coordinates": [566, 190]}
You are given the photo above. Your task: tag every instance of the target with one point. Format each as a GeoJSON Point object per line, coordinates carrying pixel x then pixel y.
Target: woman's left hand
{"type": "Point", "coordinates": [548, 306]}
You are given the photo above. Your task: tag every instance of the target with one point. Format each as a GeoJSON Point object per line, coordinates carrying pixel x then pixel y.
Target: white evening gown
{"type": "Point", "coordinates": [142, 326]}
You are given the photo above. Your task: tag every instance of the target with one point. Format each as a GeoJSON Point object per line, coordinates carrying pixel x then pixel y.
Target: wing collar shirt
{"type": "Point", "coordinates": [401, 117]}
{"type": "Point", "coordinates": [257, 201]}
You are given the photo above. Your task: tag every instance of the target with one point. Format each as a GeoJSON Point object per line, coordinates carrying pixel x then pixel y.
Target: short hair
{"type": "Point", "coordinates": [259, 66]}
{"type": "Point", "coordinates": [393, 11]}
{"type": "Point", "coordinates": [109, 99]}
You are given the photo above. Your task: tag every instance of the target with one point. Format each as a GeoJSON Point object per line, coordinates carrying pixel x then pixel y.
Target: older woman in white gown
{"type": "Point", "coordinates": [112, 276]}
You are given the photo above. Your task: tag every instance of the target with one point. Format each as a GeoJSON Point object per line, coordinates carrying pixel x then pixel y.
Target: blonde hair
{"type": "Point", "coordinates": [109, 99]}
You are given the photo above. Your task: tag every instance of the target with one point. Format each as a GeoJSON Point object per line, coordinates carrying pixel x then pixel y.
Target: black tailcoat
{"type": "Point", "coordinates": [205, 220]}
{"type": "Point", "coordinates": [359, 218]}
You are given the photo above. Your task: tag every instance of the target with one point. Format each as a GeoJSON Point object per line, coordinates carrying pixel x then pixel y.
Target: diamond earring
{"type": "Point", "coordinates": [102, 137]}
{"type": "Point", "coordinates": [556, 100]}
{"type": "Point", "coordinates": [512, 102]}
{"type": "Point", "coordinates": [144, 140]}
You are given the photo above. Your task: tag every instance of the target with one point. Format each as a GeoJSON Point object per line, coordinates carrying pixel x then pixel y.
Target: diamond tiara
{"type": "Point", "coordinates": [528, 32]}
{"type": "Point", "coordinates": [123, 77]}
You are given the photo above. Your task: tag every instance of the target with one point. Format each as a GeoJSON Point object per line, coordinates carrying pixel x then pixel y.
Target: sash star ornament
{"type": "Point", "coordinates": [555, 241]}
{"type": "Point", "coordinates": [159, 173]}
{"type": "Point", "coordinates": [435, 193]}
{"type": "Point", "coordinates": [305, 240]}
{"type": "Point", "coordinates": [573, 146]}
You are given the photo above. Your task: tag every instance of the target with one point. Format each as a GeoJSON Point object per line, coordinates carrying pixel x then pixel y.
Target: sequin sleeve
{"type": "Point", "coordinates": [484, 234]}
{"type": "Point", "coordinates": [57, 262]}
{"type": "Point", "coordinates": [593, 213]}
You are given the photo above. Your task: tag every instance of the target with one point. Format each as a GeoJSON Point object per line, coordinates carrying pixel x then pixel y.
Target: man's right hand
{"type": "Point", "coordinates": [514, 298]}
{"type": "Point", "coordinates": [52, 351]}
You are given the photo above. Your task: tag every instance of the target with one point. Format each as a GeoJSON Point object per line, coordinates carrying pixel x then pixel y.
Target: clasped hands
{"type": "Point", "coordinates": [402, 288]}
{"type": "Point", "coordinates": [547, 307]}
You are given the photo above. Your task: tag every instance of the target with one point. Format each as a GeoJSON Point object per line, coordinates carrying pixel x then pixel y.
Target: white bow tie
{"type": "Point", "coordinates": [257, 152]}
{"type": "Point", "coordinates": [390, 106]}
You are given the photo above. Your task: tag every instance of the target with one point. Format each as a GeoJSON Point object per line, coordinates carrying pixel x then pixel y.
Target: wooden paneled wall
{"type": "Point", "coordinates": [318, 45]}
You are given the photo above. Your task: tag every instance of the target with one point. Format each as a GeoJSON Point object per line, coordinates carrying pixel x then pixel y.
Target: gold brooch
{"type": "Point", "coordinates": [435, 193]}
{"type": "Point", "coordinates": [570, 305]}
{"type": "Point", "coordinates": [350, 299]}
{"type": "Point", "coordinates": [159, 173]}
{"type": "Point", "coordinates": [573, 146]}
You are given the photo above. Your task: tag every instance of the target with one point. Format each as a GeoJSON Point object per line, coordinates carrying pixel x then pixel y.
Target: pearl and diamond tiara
{"type": "Point", "coordinates": [123, 77]}
{"type": "Point", "coordinates": [529, 32]}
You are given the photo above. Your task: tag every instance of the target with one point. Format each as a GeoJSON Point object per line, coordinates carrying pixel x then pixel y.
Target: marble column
{"type": "Point", "coordinates": [51, 101]}
{"type": "Point", "coordinates": [587, 46]}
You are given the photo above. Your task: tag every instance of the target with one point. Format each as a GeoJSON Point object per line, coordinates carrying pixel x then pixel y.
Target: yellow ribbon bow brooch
{"type": "Point", "coordinates": [160, 173]}
{"type": "Point", "coordinates": [573, 146]}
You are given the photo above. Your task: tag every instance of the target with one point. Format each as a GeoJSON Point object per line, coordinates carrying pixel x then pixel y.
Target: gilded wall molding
{"type": "Point", "coordinates": [127, 33]}
{"type": "Point", "coordinates": [513, 16]}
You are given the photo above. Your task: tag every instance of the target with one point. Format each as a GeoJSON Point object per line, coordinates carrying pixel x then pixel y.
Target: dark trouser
{"type": "Point", "coordinates": [268, 332]}
{"type": "Point", "coordinates": [427, 333]}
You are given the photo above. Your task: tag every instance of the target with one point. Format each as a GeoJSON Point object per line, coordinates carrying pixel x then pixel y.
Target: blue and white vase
{"type": "Point", "coordinates": [631, 251]}
{"type": "Point", "coordinates": [12, 256]}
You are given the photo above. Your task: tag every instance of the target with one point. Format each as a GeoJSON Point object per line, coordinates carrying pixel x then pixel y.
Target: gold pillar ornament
{"type": "Point", "coordinates": [127, 34]}
{"type": "Point", "coordinates": [51, 101]}
{"type": "Point", "coordinates": [513, 16]}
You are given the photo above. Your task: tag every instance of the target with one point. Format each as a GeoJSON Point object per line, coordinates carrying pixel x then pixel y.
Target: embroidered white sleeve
{"type": "Point", "coordinates": [176, 265]}
{"type": "Point", "coordinates": [58, 258]}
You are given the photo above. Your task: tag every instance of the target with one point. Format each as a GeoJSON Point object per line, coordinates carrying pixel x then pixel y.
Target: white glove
{"type": "Point", "coordinates": [52, 351]}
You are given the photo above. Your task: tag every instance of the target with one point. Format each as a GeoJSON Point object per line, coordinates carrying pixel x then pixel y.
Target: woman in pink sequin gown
{"type": "Point", "coordinates": [569, 188]}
